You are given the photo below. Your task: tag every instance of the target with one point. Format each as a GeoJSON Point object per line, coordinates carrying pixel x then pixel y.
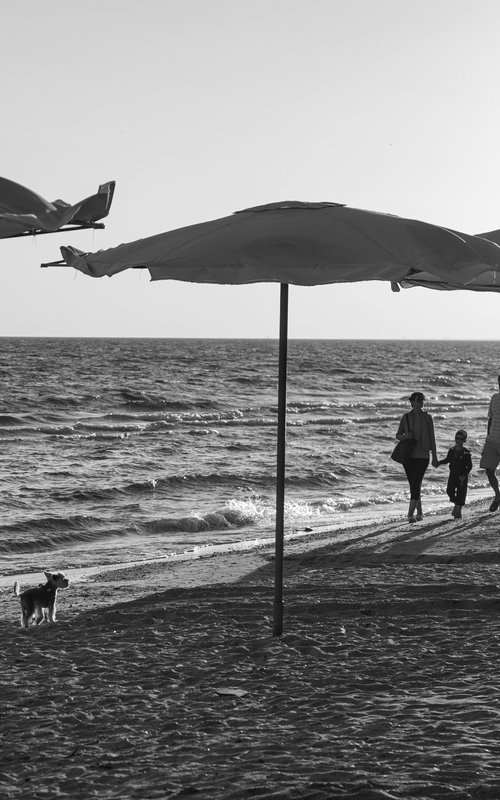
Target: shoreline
{"type": "Point", "coordinates": [390, 540]}
{"type": "Point", "coordinates": [362, 519]}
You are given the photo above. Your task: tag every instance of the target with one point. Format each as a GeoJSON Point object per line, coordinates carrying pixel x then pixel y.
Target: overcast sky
{"type": "Point", "coordinates": [198, 108]}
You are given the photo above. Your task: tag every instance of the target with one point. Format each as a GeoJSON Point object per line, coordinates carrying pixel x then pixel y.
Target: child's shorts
{"type": "Point", "coordinates": [490, 457]}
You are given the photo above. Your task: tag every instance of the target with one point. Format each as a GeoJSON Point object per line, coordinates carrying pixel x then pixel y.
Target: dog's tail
{"type": "Point", "coordinates": [17, 590]}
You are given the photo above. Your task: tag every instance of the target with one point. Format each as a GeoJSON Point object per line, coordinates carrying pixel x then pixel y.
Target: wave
{"type": "Point", "coordinates": [7, 419]}
{"type": "Point", "coordinates": [96, 427]}
{"type": "Point", "coordinates": [304, 407]}
{"type": "Point", "coordinates": [157, 402]}
{"type": "Point", "coordinates": [147, 487]}
{"type": "Point", "coordinates": [40, 524]}
{"type": "Point", "coordinates": [203, 432]}
{"type": "Point", "coordinates": [161, 486]}
{"type": "Point", "coordinates": [441, 380]}
{"type": "Point", "coordinates": [50, 533]}
{"type": "Point", "coordinates": [258, 422]}
{"type": "Point", "coordinates": [62, 400]}
{"type": "Point", "coordinates": [254, 512]}
{"type": "Point", "coordinates": [332, 505]}
{"type": "Point", "coordinates": [239, 513]}
{"type": "Point", "coordinates": [225, 518]}
{"type": "Point", "coordinates": [247, 380]}
{"type": "Point", "coordinates": [55, 541]}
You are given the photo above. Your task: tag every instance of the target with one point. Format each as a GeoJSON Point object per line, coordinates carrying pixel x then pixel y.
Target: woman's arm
{"type": "Point", "coordinates": [402, 434]}
{"type": "Point", "coordinates": [433, 442]}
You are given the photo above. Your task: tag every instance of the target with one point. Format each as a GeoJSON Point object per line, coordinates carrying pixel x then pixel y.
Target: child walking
{"type": "Point", "coordinates": [460, 461]}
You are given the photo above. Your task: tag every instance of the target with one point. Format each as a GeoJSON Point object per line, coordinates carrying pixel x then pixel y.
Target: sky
{"type": "Point", "coordinates": [198, 108]}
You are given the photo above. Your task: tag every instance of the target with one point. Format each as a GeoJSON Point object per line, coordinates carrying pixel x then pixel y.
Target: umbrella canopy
{"type": "Point", "coordinates": [304, 244]}
{"type": "Point", "coordinates": [25, 213]}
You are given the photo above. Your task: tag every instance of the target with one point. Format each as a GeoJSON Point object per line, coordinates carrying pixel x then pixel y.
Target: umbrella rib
{"type": "Point", "coordinates": [414, 270]}
{"type": "Point", "coordinates": [147, 264]}
{"type": "Point", "coordinates": [225, 223]}
{"type": "Point", "coordinates": [467, 242]}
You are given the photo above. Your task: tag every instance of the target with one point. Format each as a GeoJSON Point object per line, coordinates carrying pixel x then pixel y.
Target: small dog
{"type": "Point", "coordinates": [40, 603]}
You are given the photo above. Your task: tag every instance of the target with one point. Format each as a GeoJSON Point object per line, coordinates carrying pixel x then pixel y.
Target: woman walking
{"type": "Point", "coordinates": [417, 424]}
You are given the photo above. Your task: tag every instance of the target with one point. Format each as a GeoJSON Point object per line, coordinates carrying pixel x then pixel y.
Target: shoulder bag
{"type": "Point", "coordinates": [403, 450]}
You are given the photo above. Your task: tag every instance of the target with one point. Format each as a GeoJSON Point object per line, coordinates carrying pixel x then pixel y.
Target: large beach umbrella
{"type": "Point", "coordinates": [304, 244]}
{"type": "Point", "coordinates": [23, 212]}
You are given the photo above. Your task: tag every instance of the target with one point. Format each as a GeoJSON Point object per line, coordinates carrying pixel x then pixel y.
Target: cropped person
{"type": "Point", "coordinates": [417, 424]}
{"type": "Point", "coordinates": [460, 461]}
{"type": "Point", "coordinates": [490, 457]}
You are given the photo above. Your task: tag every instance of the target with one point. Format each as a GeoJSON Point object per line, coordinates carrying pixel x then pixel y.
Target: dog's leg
{"type": "Point", "coordinates": [26, 613]}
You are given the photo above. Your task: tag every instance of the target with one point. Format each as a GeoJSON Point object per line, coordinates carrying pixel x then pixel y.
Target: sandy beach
{"type": "Point", "coordinates": [163, 680]}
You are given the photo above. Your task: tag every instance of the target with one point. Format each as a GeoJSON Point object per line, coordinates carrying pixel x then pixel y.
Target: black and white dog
{"type": "Point", "coordinates": [39, 604]}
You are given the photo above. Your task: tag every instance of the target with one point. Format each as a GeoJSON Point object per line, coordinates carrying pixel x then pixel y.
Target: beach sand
{"type": "Point", "coordinates": [163, 680]}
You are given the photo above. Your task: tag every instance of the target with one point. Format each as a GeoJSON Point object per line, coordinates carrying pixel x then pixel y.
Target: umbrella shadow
{"type": "Point", "coordinates": [384, 544]}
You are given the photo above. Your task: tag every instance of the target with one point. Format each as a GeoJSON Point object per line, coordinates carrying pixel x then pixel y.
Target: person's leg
{"type": "Point", "coordinates": [418, 468]}
{"type": "Point", "coordinates": [493, 480]}
{"type": "Point", "coordinates": [490, 458]}
{"type": "Point", "coordinates": [461, 493]}
{"type": "Point", "coordinates": [451, 491]}
{"type": "Point", "coordinates": [409, 468]}
{"type": "Point", "coordinates": [411, 510]}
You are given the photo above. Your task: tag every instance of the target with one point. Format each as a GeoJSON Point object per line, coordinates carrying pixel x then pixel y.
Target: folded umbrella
{"type": "Point", "coordinates": [25, 213]}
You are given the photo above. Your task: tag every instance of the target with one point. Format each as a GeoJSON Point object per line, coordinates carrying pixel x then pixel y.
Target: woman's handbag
{"type": "Point", "coordinates": [403, 450]}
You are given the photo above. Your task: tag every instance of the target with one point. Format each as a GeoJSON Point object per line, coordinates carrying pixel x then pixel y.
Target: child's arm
{"type": "Point", "coordinates": [445, 460]}
{"type": "Point", "coordinates": [466, 467]}
{"type": "Point", "coordinates": [467, 463]}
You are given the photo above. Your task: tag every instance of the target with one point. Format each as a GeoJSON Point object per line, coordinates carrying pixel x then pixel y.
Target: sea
{"type": "Point", "coordinates": [121, 450]}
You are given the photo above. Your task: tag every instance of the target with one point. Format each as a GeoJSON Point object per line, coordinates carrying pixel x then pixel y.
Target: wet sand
{"type": "Point", "coordinates": [163, 680]}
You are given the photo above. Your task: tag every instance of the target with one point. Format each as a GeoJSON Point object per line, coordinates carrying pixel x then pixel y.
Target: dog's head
{"type": "Point", "coordinates": [57, 580]}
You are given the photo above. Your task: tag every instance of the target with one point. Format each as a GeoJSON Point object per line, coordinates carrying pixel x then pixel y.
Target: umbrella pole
{"type": "Point", "coordinates": [280, 465]}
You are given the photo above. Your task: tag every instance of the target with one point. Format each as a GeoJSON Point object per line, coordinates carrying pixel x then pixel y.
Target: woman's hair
{"type": "Point", "coordinates": [416, 396]}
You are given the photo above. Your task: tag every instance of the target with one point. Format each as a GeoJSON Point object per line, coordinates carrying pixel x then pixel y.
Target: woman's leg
{"type": "Point", "coordinates": [416, 471]}
{"type": "Point", "coordinates": [409, 470]}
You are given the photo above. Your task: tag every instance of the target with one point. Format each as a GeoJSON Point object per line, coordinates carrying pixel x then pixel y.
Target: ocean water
{"type": "Point", "coordinates": [126, 449]}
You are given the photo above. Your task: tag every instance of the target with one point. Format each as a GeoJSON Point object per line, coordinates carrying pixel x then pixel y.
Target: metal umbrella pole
{"type": "Point", "coordinates": [280, 465]}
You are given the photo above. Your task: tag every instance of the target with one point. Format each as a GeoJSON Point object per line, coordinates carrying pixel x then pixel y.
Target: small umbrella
{"type": "Point", "coordinates": [25, 213]}
{"type": "Point", "coordinates": [305, 244]}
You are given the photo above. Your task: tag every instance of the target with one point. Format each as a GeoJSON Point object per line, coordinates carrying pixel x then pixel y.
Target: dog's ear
{"type": "Point", "coordinates": [48, 575]}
